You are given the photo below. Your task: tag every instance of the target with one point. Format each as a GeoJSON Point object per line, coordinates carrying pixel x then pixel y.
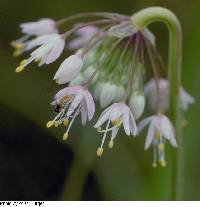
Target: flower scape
{"type": "Point", "coordinates": [109, 63]}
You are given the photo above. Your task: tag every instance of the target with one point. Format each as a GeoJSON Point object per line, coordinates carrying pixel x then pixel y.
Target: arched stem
{"type": "Point", "coordinates": [141, 20]}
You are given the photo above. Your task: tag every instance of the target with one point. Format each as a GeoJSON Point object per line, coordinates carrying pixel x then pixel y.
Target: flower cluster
{"type": "Point", "coordinates": [108, 65]}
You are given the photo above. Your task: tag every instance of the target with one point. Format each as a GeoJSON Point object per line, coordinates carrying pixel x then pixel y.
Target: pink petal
{"type": "Point", "coordinates": [56, 51]}
{"type": "Point", "coordinates": [68, 91]}
{"type": "Point", "coordinates": [90, 104]}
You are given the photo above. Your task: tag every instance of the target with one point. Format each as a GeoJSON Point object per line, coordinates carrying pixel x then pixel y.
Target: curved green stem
{"type": "Point", "coordinates": [141, 20]}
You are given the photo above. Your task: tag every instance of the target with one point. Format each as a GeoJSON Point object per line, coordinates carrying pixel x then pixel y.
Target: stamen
{"type": "Point", "coordinates": [100, 152]}
{"type": "Point", "coordinates": [65, 136]}
{"type": "Point", "coordinates": [19, 69]}
{"type": "Point", "coordinates": [104, 136]}
{"type": "Point", "coordinates": [57, 123]}
{"type": "Point", "coordinates": [162, 163]}
{"type": "Point", "coordinates": [50, 124]}
{"type": "Point", "coordinates": [38, 60]}
{"type": "Point", "coordinates": [109, 129]}
{"type": "Point", "coordinates": [154, 164]}
{"type": "Point", "coordinates": [65, 122]}
{"type": "Point", "coordinates": [111, 144]}
{"type": "Point", "coordinates": [17, 53]}
{"type": "Point", "coordinates": [72, 121]}
{"type": "Point", "coordinates": [157, 135]}
{"type": "Point", "coordinates": [161, 147]}
{"type": "Point", "coordinates": [17, 45]}
{"type": "Point", "coordinates": [99, 129]}
{"type": "Point", "coordinates": [23, 62]}
{"type": "Point", "coordinates": [116, 123]}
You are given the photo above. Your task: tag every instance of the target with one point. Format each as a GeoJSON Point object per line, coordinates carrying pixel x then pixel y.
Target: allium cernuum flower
{"type": "Point", "coordinates": [116, 115]}
{"type": "Point", "coordinates": [69, 103]}
{"type": "Point", "coordinates": [69, 69]}
{"type": "Point", "coordinates": [160, 129]}
{"type": "Point", "coordinates": [30, 30]}
{"type": "Point", "coordinates": [49, 49]}
{"type": "Point", "coordinates": [185, 99]}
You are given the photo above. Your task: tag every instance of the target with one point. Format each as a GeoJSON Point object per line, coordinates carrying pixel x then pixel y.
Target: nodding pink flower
{"type": "Point", "coordinates": [116, 115]}
{"type": "Point", "coordinates": [69, 103]}
{"type": "Point", "coordinates": [83, 36]}
{"type": "Point", "coordinates": [32, 30]}
{"type": "Point", "coordinates": [160, 129]}
{"type": "Point", "coordinates": [69, 69]}
{"type": "Point", "coordinates": [150, 91]}
{"type": "Point", "coordinates": [41, 27]}
{"type": "Point", "coordinates": [50, 48]}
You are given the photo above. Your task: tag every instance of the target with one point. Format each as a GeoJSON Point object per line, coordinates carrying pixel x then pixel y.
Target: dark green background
{"type": "Point", "coordinates": [34, 162]}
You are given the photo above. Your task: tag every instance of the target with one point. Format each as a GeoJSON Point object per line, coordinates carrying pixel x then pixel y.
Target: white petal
{"type": "Point", "coordinates": [41, 27]}
{"type": "Point", "coordinates": [137, 104]}
{"type": "Point", "coordinates": [126, 122]}
{"type": "Point", "coordinates": [132, 123]}
{"type": "Point", "coordinates": [104, 117]}
{"type": "Point", "coordinates": [74, 104]}
{"type": "Point", "coordinates": [56, 51]}
{"type": "Point", "coordinates": [114, 133]}
{"type": "Point", "coordinates": [185, 99]}
{"type": "Point", "coordinates": [97, 91]}
{"type": "Point", "coordinates": [83, 112]}
{"type": "Point", "coordinates": [144, 123]}
{"type": "Point", "coordinates": [69, 69]}
{"type": "Point", "coordinates": [150, 136]}
{"type": "Point", "coordinates": [107, 95]}
{"type": "Point", "coordinates": [90, 104]}
{"type": "Point", "coordinates": [77, 81]}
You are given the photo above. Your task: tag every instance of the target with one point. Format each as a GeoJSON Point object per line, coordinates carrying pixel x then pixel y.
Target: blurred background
{"type": "Point", "coordinates": [35, 164]}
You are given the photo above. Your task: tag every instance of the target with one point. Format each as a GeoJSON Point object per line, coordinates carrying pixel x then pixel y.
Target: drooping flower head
{"type": "Point", "coordinates": [114, 117]}
{"type": "Point", "coordinates": [109, 60]}
{"type": "Point", "coordinates": [160, 129]}
{"type": "Point", "coordinates": [69, 103]}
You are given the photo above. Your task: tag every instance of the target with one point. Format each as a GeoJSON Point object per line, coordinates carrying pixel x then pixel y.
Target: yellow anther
{"type": "Point", "coordinates": [66, 122]}
{"type": "Point", "coordinates": [17, 53]}
{"type": "Point", "coordinates": [23, 62]}
{"type": "Point", "coordinates": [50, 124]}
{"type": "Point", "coordinates": [57, 123]}
{"type": "Point", "coordinates": [116, 123]}
{"type": "Point", "coordinates": [99, 129]}
{"type": "Point", "coordinates": [19, 69]}
{"type": "Point", "coordinates": [13, 43]}
{"type": "Point", "coordinates": [17, 45]}
{"type": "Point", "coordinates": [162, 163]}
{"type": "Point", "coordinates": [37, 60]}
{"type": "Point", "coordinates": [65, 136]}
{"type": "Point", "coordinates": [100, 152]}
{"type": "Point", "coordinates": [161, 147]}
{"type": "Point", "coordinates": [157, 135]}
{"type": "Point", "coordinates": [154, 164]}
{"type": "Point", "coordinates": [111, 144]}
